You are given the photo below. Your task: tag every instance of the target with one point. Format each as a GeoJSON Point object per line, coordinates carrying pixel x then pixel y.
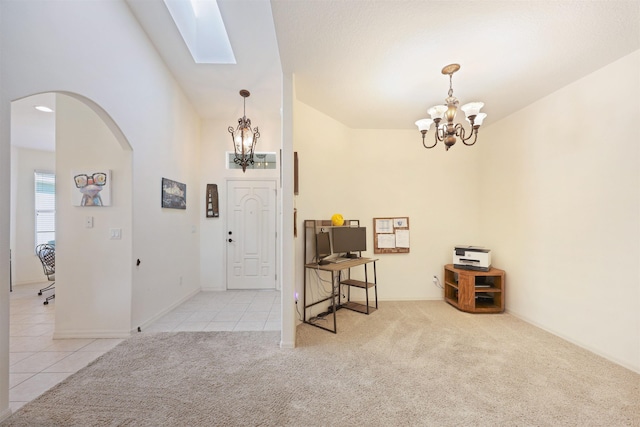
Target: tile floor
{"type": "Point", "coordinates": [38, 362]}
{"type": "Point", "coordinates": [224, 311]}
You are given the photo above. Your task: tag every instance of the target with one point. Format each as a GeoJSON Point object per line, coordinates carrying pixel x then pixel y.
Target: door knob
{"type": "Point", "coordinates": [230, 240]}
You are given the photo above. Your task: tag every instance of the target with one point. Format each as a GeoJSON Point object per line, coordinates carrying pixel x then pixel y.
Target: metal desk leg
{"type": "Point", "coordinates": [366, 290]}
{"type": "Point", "coordinates": [375, 283]}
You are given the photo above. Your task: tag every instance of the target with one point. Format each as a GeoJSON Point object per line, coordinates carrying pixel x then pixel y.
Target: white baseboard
{"type": "Point", "coordinates": [212, 289]}
{"type": "Point", "coordinates": [70, 334]}
{"type": "Point", "coordinates": [165, 311]}
{"type": "Point", "coordinates": [438, 298]}
{"type": "Point", "coordinates": [593, 350]}
{"type": "Point", "coordinates": [5, 414]}
{"type": "Point", "coordinates": [287, 344]}
{"type": "Point", "coordinates": [31, 282]}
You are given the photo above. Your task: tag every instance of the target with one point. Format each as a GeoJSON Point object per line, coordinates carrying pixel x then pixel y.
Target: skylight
{"type": "Point", "coordinates": [202, 29]}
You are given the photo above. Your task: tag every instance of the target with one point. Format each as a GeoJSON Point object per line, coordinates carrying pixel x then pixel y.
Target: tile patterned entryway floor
{"type": "Point", "coordinates": [38, 362]}
{"type": "Point", "coordinates": [224, 311]}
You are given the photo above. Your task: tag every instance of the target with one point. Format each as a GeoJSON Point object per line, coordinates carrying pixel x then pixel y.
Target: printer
{"type": "Point", "coordinates": [472, 258]}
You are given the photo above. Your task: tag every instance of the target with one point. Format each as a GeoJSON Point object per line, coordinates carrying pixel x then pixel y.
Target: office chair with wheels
{"type": "Point", "coordinates": [47, 255]}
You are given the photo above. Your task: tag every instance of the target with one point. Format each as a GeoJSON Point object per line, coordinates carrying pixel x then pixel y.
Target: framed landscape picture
{"type": "Point", "coordinates": [174, 194]}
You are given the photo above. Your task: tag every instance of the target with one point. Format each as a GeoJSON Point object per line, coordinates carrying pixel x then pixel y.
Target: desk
{"type": "Point", "coordinates": [337, 270]}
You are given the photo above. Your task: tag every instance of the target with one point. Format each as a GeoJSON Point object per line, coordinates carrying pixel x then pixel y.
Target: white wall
{"type": "Point", "coordinates": [72, 47]}
{"type": "Point", "coordinates": [93, 272]}
{"type": "Point", "coordinates": [552, 190]}
{"type": "Point", "coordinates": [437, 190]}
{"type": "Point", "coordinates": [26, 267]}
{"type": "Point", "coordinates": [287, 217]}
{"type": "Point", "coordinates": [364, 174]}
{"type": "Point", "coordinates": [5, 214]}
{"type": "Point", "coordinates": [561, 208]}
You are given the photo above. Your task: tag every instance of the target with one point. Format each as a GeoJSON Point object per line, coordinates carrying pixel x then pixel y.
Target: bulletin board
{"type": "Point", "coordinates": [391, 235]}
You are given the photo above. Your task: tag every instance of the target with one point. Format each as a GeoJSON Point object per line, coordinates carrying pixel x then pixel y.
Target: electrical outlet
{"type": "Point", "coordinates": [435, 279]}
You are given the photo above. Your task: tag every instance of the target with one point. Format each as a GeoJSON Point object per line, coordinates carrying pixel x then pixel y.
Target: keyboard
{"type": "Point", "coordinates": [338, 260]}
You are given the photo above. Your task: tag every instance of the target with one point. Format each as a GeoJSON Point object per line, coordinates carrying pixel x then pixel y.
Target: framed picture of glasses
{"type": "Point", "coordinates": [91, 187]}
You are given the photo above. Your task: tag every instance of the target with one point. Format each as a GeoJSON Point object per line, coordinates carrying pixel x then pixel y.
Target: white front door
{"type": "Point", "coordinates": [251, 234]}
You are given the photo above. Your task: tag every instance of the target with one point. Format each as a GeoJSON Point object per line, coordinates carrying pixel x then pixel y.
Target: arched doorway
{"type": "Point", "coordinates": [93, 280]}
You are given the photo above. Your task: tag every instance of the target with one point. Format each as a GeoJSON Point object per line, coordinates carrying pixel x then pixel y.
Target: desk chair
{"type": "Point", "coordinates": [47, 255]}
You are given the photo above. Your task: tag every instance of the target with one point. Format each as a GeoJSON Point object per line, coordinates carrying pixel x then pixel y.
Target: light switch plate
{"type": "Point", "coordinates": [115, 233]}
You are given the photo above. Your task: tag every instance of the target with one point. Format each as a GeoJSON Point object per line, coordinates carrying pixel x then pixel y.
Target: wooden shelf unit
{"type": "Point", "coordinates": [475, 291]}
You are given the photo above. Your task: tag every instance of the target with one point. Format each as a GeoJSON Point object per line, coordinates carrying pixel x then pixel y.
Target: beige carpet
{"type": "Point", "coordinates": [408, 364]}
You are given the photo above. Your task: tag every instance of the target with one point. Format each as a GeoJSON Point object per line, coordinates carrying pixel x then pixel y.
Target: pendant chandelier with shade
{"type": "Point", "coordinates": [244, 138]}
{"type": "Point", "coordinates": [448, 131]}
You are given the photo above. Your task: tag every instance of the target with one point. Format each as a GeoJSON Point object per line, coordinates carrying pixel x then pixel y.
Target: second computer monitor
{"type": "Point", "coordinates": [349, 240]}
{"type": "Point", "coordinates": [323, 245]}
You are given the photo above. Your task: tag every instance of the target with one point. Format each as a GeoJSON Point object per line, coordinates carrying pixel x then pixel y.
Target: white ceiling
{"type": "Point", "coordinates": [214, 88]}
{"type": "Point", "coordinates": [377, 63]}
{"type": "Point", "coordinates": [31, 128]}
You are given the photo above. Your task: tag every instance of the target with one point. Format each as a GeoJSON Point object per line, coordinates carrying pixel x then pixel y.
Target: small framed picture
{"type": "Point", "coordinates": [91, 188]}
{"type": "Point", "coordinates": [174, 194]}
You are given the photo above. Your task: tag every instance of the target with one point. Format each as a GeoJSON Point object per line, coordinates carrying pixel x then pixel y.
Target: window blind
{"type": "Point", "coordinates": [45, 206]}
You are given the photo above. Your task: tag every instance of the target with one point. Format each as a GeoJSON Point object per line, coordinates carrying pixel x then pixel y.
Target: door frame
{"type": "Point", "coordinates": [278, 219]}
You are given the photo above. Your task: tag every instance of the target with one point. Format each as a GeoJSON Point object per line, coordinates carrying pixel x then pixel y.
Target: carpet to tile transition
{"type": "Point", "coordinates": [409, 363]}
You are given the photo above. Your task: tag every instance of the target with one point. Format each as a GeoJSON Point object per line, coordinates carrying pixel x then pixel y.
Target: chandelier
{"type": "Point", "coordinates": [244, 139]}
{"type": "Point", "coordinates": [448, 131]}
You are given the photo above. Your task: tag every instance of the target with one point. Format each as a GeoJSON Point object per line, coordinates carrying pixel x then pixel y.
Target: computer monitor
{"type": "Point", "coordinates": [323, 245]}
{"type": "Point", "coordinates": [348, 240]}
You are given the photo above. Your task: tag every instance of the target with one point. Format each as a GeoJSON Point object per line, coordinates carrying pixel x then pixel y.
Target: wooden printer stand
{"type": "Point", "coordinates": [474, 291]}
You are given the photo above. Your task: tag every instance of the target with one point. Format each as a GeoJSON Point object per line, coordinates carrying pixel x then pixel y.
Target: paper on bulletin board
{"type": "Point", "coordinates": [402, 238]}
{"type": "Point", "coordinates": [386, 241]}
{"type": "Point", "coordinates": [384, 226]}
{"type": "Point", "coordinates": [400, 222]}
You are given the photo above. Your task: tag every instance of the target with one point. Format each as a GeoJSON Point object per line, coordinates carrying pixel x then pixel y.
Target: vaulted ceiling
{"type": "Point", "coordinates": [377, 63]}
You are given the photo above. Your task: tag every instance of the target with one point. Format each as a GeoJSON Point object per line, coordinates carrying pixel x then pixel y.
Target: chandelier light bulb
{"type": "Point", "coordinates": [472, 108]}
{"type": "Point", "coordinates": [479, 119]}
{"type": "Point", "coordinates": [424, 124]}
{"type": "Point", "coordinates": [244, 138]}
